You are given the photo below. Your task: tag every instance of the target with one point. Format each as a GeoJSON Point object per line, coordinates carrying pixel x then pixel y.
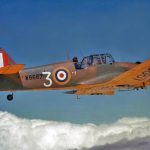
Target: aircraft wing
{"type": "Point", "coordinates": [148, 83]}
{"type": "Point", "coordinates": [11, 69]}
{"type": "Point", "coordinates": [137, 77]}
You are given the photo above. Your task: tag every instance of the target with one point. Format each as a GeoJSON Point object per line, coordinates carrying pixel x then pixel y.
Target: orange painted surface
{"type": "Point", "coordinates": [135, 77]}
{"type": "Point", "coordinates": [12, 69]}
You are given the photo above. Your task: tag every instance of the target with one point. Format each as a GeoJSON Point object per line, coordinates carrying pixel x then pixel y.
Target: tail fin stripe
{"type": "Point", "coordinates": [5, 59]}
{"type": "Point", "coordinates": [1, 60]}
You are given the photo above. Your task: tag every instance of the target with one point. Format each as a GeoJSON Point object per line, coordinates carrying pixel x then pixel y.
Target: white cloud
{"type": "Point", "coordinates": [17, 133]}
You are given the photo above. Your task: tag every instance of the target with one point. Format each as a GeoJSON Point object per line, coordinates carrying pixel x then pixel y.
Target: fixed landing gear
{"type": "Point", "coordinates": [10, 97]}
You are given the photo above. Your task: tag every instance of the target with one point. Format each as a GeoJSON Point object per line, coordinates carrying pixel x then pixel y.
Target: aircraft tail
{"type": "Point", "coordinates": [5, 59]}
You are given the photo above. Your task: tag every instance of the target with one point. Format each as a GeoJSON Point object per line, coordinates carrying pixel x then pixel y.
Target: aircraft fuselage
{"type": "Point", "coordinates": [51, 76]}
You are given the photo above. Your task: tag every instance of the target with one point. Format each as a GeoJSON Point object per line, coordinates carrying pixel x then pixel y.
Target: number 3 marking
{"type": "Point", "coordinates": [48, 79]}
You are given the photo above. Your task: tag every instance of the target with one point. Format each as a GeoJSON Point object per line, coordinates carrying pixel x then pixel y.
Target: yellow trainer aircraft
{"type": "Point", "coordinates": [97, 74]}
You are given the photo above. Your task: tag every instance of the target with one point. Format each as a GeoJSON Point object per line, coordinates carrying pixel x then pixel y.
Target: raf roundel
{"type": "Point", "coordinates": [61, 76]}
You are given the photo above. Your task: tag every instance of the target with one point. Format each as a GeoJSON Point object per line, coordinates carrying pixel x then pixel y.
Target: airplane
{"type": "Point", "coordinates": [97, 74]}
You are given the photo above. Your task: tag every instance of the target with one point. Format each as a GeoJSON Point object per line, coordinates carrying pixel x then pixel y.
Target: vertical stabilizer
{"type": "Point", "coordinates": [5, 59]}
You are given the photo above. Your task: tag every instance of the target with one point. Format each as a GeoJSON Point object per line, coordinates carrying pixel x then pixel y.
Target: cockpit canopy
{"type": "Point", "coordinates": [94, 60]}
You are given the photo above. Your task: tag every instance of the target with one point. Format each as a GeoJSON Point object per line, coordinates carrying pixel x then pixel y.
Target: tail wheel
{"type": "Point", "coordinates": [10, 97]}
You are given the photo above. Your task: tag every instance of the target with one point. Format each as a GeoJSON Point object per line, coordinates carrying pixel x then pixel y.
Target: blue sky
{"type": "Point", "coordinates": [37, 32]}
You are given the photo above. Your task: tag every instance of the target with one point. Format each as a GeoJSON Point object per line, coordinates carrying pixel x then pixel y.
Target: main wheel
{"type": "Point", "coordinates": [10, 97]}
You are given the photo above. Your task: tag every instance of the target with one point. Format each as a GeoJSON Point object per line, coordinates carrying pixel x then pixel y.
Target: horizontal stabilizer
{"type": "Point", "coordinates": [11, 69]}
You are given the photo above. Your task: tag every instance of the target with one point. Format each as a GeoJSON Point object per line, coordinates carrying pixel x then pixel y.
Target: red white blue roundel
{"type": "Point", "coordinates": [61, 75]}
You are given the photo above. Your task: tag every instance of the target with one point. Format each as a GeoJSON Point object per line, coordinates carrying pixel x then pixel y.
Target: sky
{"type": "Point", "coordinates": [38, 32]}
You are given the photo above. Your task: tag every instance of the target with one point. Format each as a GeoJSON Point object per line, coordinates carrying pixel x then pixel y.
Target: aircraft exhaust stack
{"type": "Point", "coordinates": [5, 59]}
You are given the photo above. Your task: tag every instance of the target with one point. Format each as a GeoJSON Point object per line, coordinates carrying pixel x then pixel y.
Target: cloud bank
{"type": "Point", "coordinates": [17, 133]}
{"type": "Point", "coordinates": [136, 144]}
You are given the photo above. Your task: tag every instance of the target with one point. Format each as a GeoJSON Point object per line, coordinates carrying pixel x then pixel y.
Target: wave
{"type": "Point", "coordinates": [18, 133]}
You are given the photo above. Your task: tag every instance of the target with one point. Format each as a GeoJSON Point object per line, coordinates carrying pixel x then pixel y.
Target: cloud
{"type": "Point", "coordinates": [136, 144]}
{"type": "Point", "coordinates": [17, 133]}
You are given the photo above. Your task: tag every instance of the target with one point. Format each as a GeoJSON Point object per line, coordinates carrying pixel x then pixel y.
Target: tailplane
{"type": "Point", "coordinates": [5, 59]}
